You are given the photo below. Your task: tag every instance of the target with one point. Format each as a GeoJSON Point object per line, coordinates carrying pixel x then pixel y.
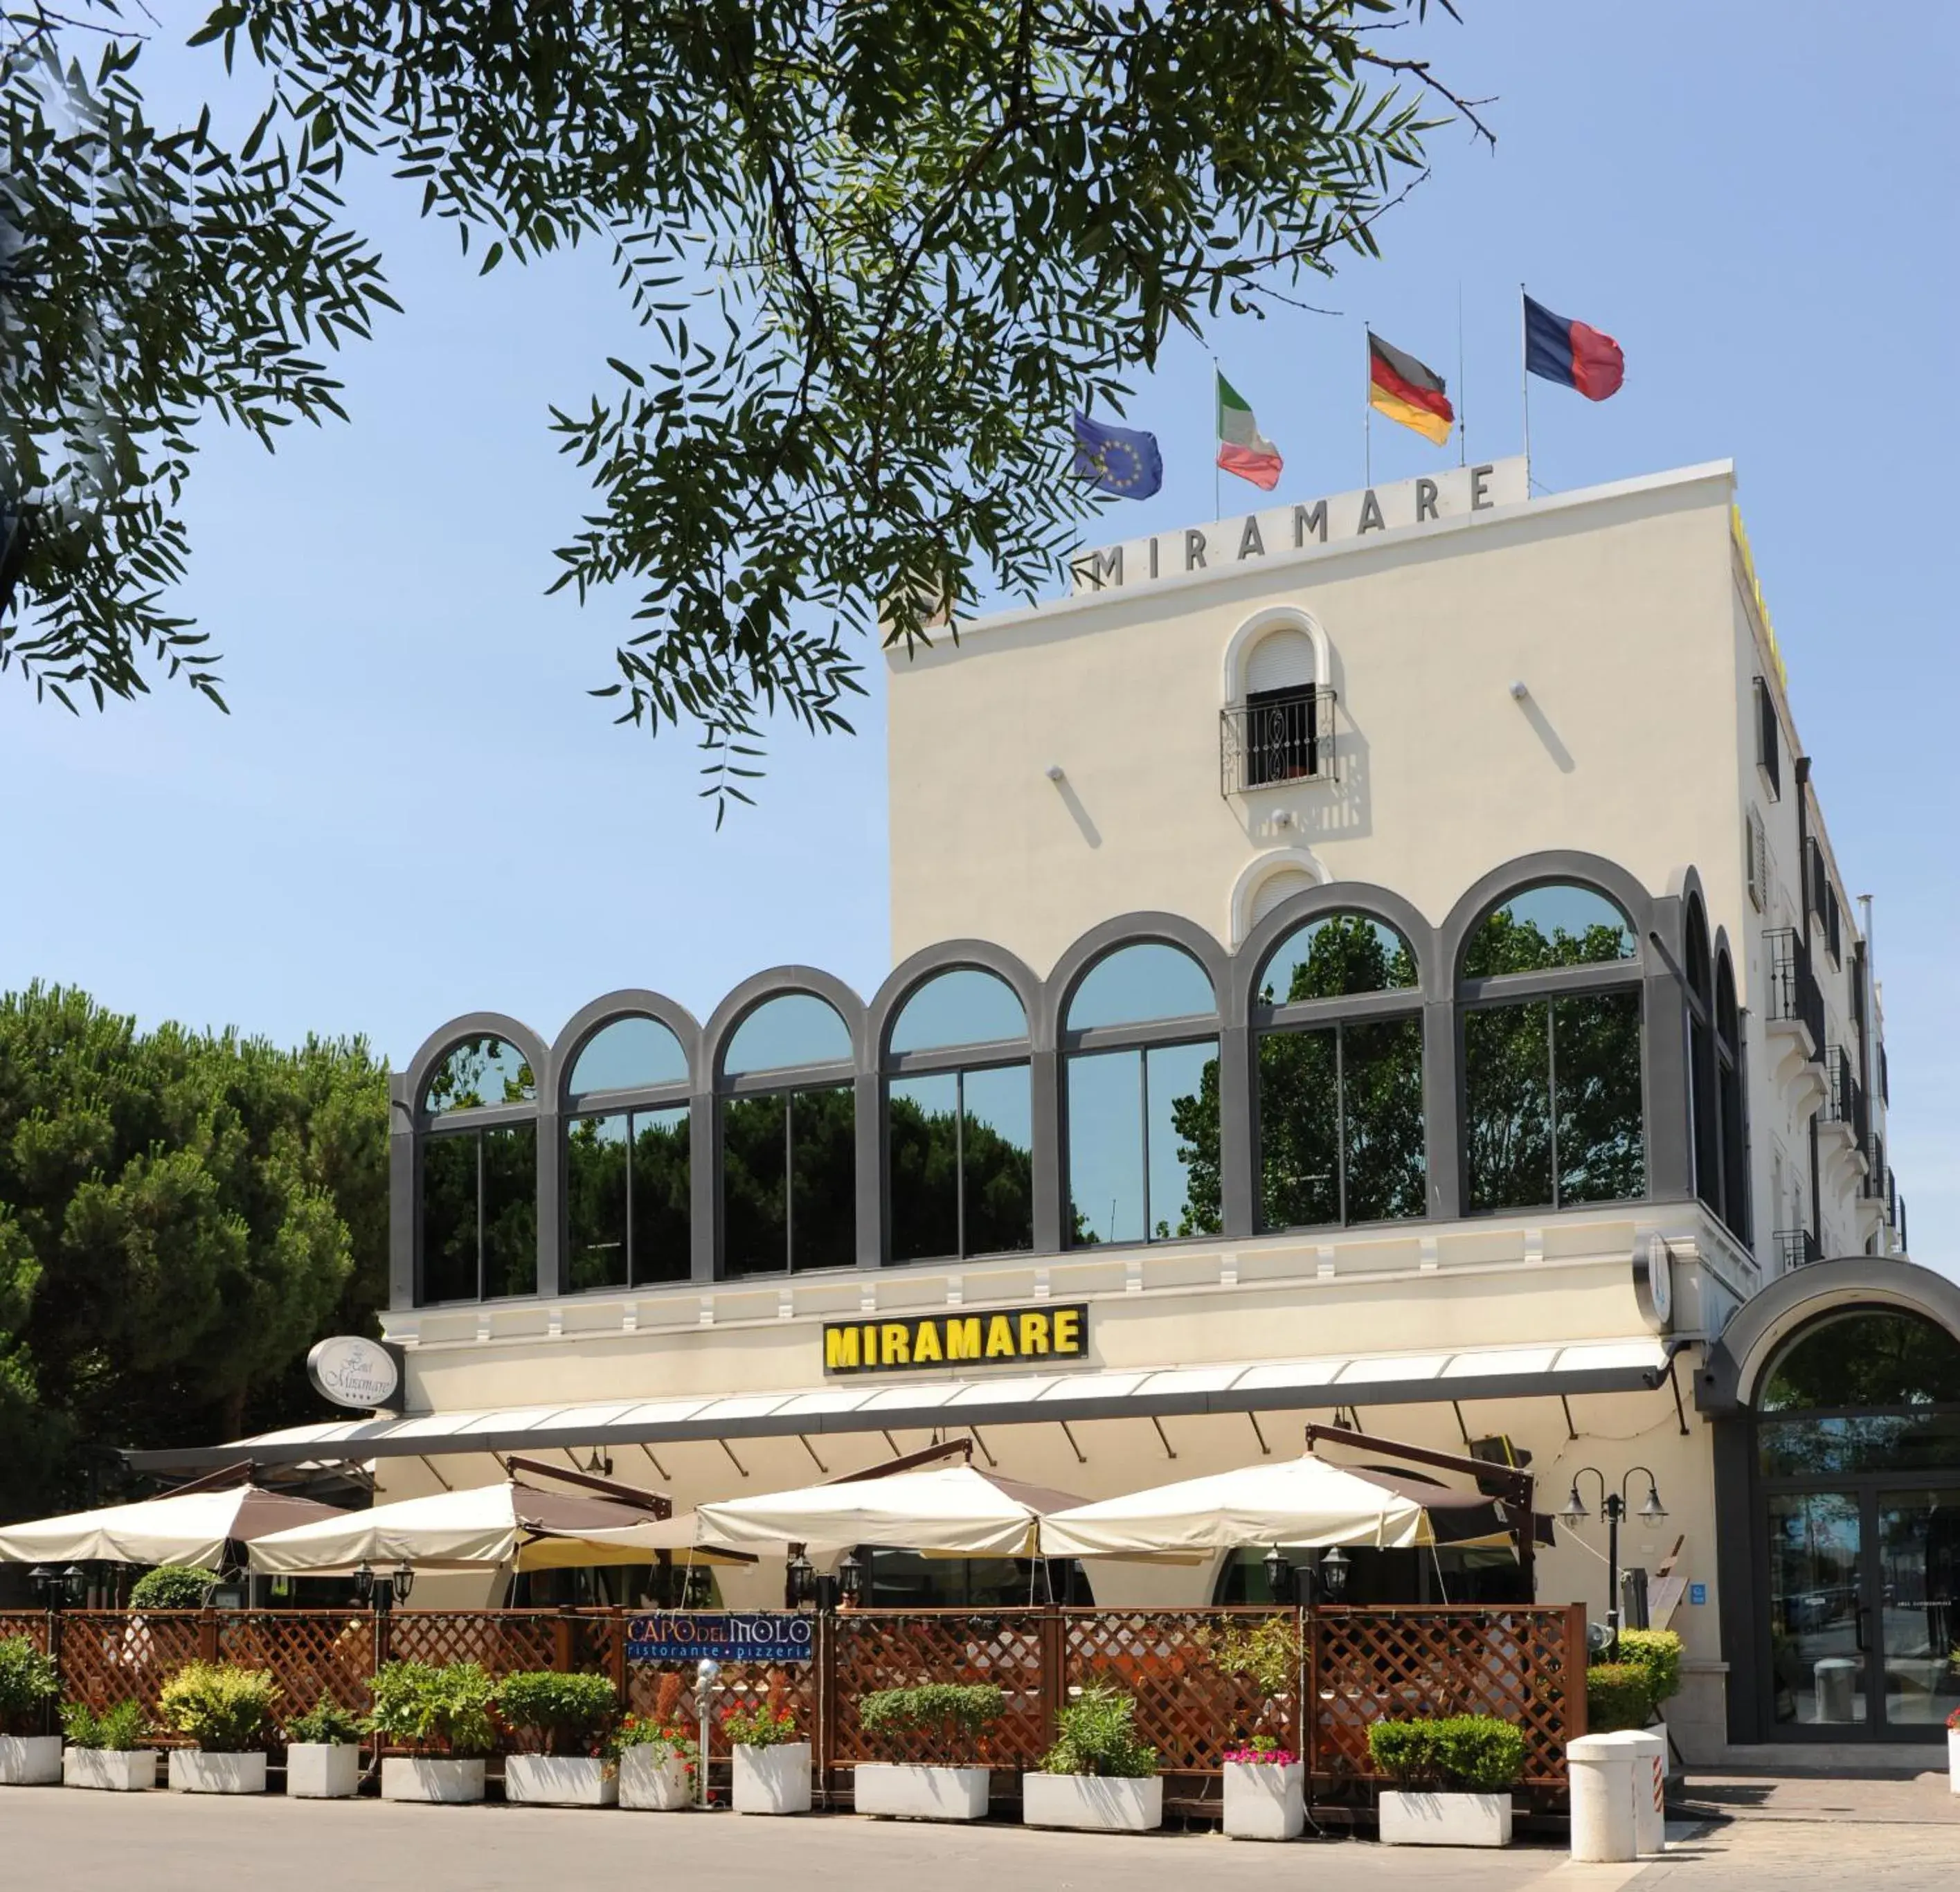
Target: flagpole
{"type": "Point", "coordinates": [1524, 381]}
{"type": "Point", "coordinates": [1462, 392]}
{"type": "Point", "coordinates": [1368, 408]}
{"type": "Point", "coordinates": [1217, 500]}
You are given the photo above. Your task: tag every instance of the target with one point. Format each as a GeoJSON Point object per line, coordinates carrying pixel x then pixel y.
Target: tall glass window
{"type": "Point", "coordinates": [789, 1175]}
{"type": "Point", "coordinates": [1143, 1124]}
{"type": "Point", "coordinates": [1340, 1085]}
{"type": "Point", "coordinates": [959, 1120]}
{"type": "Point", "coordinates": [1552, 1054]}
{"type": "Point", "coordinates": [478, 1175]}
{"type": "Point", "coordinates": [627, 1166]}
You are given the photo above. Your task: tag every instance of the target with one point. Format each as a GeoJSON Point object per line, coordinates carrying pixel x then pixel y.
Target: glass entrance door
{"type": "Point", "coordinates": [1816, 1570]}
{"type": "Point", "coordinates": [1916, 1574]}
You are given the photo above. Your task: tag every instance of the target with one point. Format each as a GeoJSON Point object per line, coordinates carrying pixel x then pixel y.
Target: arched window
{"type": "Point", "coordinates": [1704, 1095]}
{"type": "Point", "coordinates": [478, 1180]}
{"type": "Point", "coordinates": [789, 1175]}
{"type": "Point", "coordinates": [627, 1171]}
{"type": "Point", "coordinates": [1551, 992]}
{"type": "Point", "coordinates": [1735, 1205]}
{"type": "Point", "coordinates": [959, 1120]}
{"type": "Point", "coordinates": [1338, 1021]}
{"type": "Point", "coordinates": [1141, 1040]}
{"type": "Point", "coordinates": [1282, 718]}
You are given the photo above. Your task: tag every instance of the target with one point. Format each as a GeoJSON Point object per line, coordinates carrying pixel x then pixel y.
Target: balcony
{"type": "Point", "coordinates": [1794, 1023]}
{"type": "Point", "coordinates": [1276, 738]}
{"type": "Point", "coordinates": [1795, 1247]}
{"type": "Point", "coordinates": [1844, 1122]}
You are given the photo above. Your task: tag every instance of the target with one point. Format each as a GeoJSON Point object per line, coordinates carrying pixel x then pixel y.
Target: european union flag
{"type": "Point", "coordinates": [1117, 460]}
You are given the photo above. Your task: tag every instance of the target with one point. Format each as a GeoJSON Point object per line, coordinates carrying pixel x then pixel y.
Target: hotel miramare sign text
{"type": "Point", "coordinates": [1010, 1337]}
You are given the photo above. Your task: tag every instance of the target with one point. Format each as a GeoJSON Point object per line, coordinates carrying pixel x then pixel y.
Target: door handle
{"type": "Point", "coordinates": [1864, 1648]}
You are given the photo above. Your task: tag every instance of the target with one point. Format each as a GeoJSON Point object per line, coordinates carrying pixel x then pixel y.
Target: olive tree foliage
{"type": "Point", "coordinates": [881, 248]}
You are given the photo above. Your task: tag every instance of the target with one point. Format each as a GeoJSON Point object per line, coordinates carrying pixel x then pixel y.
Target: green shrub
{"type": "Point", "coordinates": [959, 1713]}
{"type": "Point", "coordinates": [327, 1721]}
{"type": "Point", "coordinates": [1617, 1695]}
{"type": "Point", "coordinates": [1460, 1753]}
{"type": "Point", "coordinates": [29, 1682]}
{"type": "Point", "coordinates": [551, 1713]}
{"type": "Point", "coordinates": [1659, 1652]}
{"type": "Point", "coordinates": [1095, 1734]}
{"type": "Point", "coordinates": [1270, 1654]}
{"type": "Point", "coordinates": [119, 1730]}
{"type": "Point", "coordinates": [225, 1708]}
{"type": "Point", "coordinates": [439, 1710]}
{"type": "Point", "coordinates": [172, 1586]}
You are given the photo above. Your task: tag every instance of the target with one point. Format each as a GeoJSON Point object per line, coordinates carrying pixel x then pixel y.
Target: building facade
{"type": "Point", "coordinates": [1381, 958]}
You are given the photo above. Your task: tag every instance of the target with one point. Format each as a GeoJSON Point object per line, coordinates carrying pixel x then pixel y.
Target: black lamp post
{"type": "Point", "coordinates": [1279, 1575]}
{"type": "Point", "coordinates": [1334, 1564]}
{"type": "Point", "coordinates": [58, 1589]}
{"type": "Point", "coordinates": [363, 1585]}
{"type": "Point", "coordinates": [851, 1576]}
{"type": "Point", "coordinates": [403, 1582]}
{"type": "Point", "coordinates": [802, 1577]}
{"type": "Point", "coordinates": [1614, 1505]}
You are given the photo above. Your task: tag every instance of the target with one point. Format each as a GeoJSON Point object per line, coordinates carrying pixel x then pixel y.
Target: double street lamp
{"type": "Point", "coordinates": [1328, 1576]}
{"type": "Point", "coordinates": [1614, 1505]}
{"type": "Point", "coordinates": [382, 1590]}
{"type": "Point", "coordinates": [59, 1588]}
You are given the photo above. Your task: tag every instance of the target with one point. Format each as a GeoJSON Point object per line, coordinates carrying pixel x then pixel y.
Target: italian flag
{"type": "Point", "coordinates": [1243, 449]}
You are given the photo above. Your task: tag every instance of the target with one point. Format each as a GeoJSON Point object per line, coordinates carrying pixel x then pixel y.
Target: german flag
{"type": "Point", "coordinates": [1401, 387]}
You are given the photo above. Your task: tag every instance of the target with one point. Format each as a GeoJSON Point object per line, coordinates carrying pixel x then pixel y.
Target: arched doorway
{"type": "Point", "coordinates": [1855, 1431]}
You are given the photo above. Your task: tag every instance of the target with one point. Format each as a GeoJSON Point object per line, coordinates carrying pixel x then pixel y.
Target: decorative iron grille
{"type": "Point", "coordinates": [1275, 738]}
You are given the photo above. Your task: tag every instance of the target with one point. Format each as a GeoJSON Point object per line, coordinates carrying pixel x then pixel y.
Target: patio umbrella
{"type": "Point", "coordinates": [954, 1509]}
{"type": "Point", "coordinates": [192, 1528]}
{"type": "Point", "coordinates": [482, 1528]}
{"type": "Point", "coordinates": [1302, 1502]}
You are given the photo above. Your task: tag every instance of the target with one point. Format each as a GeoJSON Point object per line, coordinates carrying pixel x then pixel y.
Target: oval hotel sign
{"type": "Point", "coordinates": [352, 1371]}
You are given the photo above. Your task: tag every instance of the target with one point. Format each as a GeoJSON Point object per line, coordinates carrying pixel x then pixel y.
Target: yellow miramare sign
{"type": "Point", "coordinates": [1010, 1337]}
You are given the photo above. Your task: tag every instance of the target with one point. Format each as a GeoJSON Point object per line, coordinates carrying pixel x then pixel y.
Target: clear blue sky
{"type": "Point", "coordinates": [414, 809]}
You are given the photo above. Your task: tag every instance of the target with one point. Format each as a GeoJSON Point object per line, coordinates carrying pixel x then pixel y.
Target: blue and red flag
{"type": "Point", "coordinates": [1572, 353]}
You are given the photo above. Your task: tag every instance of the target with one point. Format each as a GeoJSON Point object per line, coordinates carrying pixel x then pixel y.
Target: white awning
{"type": "Point", "coordinates": [871, 1404]}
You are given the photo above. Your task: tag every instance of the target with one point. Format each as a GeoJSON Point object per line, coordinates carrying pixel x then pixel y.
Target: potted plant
{"type": "Point", "coordinates": [1099, 1777]}
{"type": "Point", "coordinates": [1659, 1652]}
{"type": "Point", "coordinates": [172, 1586]}
{"type": "Point", "coordinates": [1453, 1779]}
{"type": "Point", "coordinates": [443, 1714]}
{"type": "Point", "coordinates": [323, 1752]}
{"type": "Point", "coordinates": [659, 1757]}
{"type": "Point", "coordinates": [955, 1717]}
{"type": "Point", "coordinates": [226, 1710]}
{"type": "Point", "coordinates": [1618, 1695]}
{"type": "Point", "coordinates": [1953, 1750]}
{"type": "Point", "coordinates": [1265, 1782]}
{"type": "Point", "coordinates": [559, 1723]}
{"type": "Point", "coordinates": [106, 1751]}
{"type": "Point", "coordinates": [772, 1766]}
{"type": "Point", "coordinates": [29, 1686]}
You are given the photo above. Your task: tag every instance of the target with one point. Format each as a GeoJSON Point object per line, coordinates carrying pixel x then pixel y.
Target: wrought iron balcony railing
{"type": "Point", "coordinates": [1276, 737]}
{"type": "Point", "coordinates": [1796, 1246]}
{"type": "Point", "coordinates": [1795, 995]}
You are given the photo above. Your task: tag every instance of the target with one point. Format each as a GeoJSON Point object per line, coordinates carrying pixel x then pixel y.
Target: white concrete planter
{"type": "Point", "coordinates": [1953, 1758]}
{"type": "Point", "coordinates": [1263, 1801]}
{"type": "Point", "coordinates": [1091, 1803]}
{"type": "Point", "coordinates": [1446, 1819]}
{"type": "Point", "coordinates": [113, 1769]}
{"type": "Point", "coordinates": [920, 1793]}
{"type": "Point", "coordinates": [323, 1771]}
{"type": "Point", "coordinates": [194, 1771]}
{"type": "Point", "coordinates": [420, 1777]}
{"type": "Point", "coordinates": [773, 1780]}
{"type": "Point", "coordinates": [561, 1780]}
{"type": "Point", "coordinates": [652, 1780]}
{"type": "Point", "coordinates": [30, 1760]}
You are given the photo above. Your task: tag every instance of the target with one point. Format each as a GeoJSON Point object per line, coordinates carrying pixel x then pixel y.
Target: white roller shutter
{"type": "Point", "coordinates": [1282, 661]}
{"type": "Point", "coordinates": [1276, 887]}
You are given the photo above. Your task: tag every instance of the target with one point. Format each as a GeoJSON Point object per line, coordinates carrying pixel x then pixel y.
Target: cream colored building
{"type": "Point", "coordinates": [1379, 957]}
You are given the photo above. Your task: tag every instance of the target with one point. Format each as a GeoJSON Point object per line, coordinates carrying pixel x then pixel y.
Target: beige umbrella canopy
{"type": "Point", "coordinates": [192, 1527]}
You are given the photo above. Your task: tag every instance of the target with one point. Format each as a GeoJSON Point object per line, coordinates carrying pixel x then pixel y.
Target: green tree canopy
{"type": "Point", "coordinates": [182, 1215]}
{"type": "Point", "coordinates": [882, 248]}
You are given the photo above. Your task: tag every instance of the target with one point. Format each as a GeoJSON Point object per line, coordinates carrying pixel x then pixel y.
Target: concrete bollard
{"type": "Point", "coordinates": [1601, 1767]}
{"type": "Point", "coordinates": [1647, 1761]}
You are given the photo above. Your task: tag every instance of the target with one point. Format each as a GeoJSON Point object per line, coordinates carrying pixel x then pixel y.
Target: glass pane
{"type": "Point", "coordinates": [1817, 1672]}
{"type": "Point", "coordinates": [965, 1006]}
{"type": "Point", "coordinates": [922, 1125]}
{"type": "Point", "coordinates": [797, 1029]}
{"type": "Point", "coordinates": [1596, 1044]}
{"type": "Point", "coordinates": [996, 1136]}
{"type": "Point", "coordinates": [1548, 926]}
{"type": "Point", "coordinates": [1328, 958]}
{"type": "Point", "coordinates": [595, 1194]}
{"type": "Point", "coordinates": [755, 1201]}
{"type": "Point", "coordinates": [476, 1071]}
{"type": "Point", "coordinates": [449, 1219]}
{"type": "Point", "coordinates": [1864, 1358]}
{"type": "Point", "coordinates": [1136, 983]}
{"type": "Point", "coordinates": [1184, 1176]}
{"type": "Point", "coordinates": [1919, 1580]}
{"type": "Point", "coordinates": [662, 1197]}
{"type": "Point", "coordinates": [629, 1054]}
{"type": "Point", "coordinates": [1299, 1133]}
{"type": "Point", "coordinates": [1105, 1146]}
{"type": "Point", "coordinates": [1830, 1448]}
{"type": "Point", "coordinates": [510, 1210]}
{"type": "Point", "coordinates": [823, 1142]}
{"type": "Point", "coordinates": [1381, 1085]}
{"type": "Point", "coordinates": [1507, 1097]}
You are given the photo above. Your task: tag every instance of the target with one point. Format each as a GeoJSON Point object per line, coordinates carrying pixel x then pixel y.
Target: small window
{"type": "Point", "coordinates": [1756, 841]}
{"type": "Point", "coordinates": [1136, 983]}
{"type": "Point", "coordinates": [1769, 751]}
{"type": "Point", "coordinates": [479, 1071]}
{"type": "Point", "coordinates": [1548, 927]}
{"type": "Point", "coordinates": [1834, 938]}
{"type": "Point", "coordinates": [1334, 957]}
{"type": "Point", "coordinates": [630, 1054]}
{"type": "Point", "coordinates": [796, 1028]}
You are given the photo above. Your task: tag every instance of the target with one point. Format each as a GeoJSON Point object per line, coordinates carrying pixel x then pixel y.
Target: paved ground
{"type": "Point", "coordinates": [169, 1843]}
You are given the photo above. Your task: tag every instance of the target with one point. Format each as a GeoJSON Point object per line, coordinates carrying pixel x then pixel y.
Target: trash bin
{"type": "Point", "coordinates": [1601, 1769]}
{"type": "Point", "coordinates": [1837, 1679]}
